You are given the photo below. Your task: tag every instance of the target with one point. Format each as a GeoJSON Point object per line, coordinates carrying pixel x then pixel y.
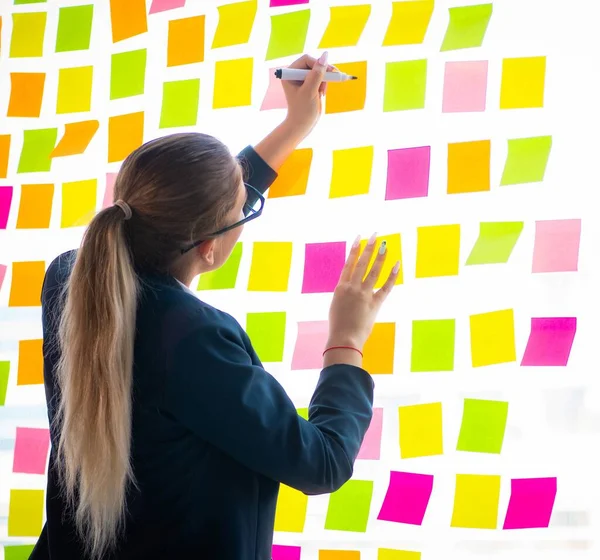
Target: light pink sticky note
{"type": "Point", "coordinates": [407, 498]}
{"type": "Point", "coordinates": [110, 189]}
{"type": "Point", "coordinates": [164, 5]}
{"type": "Point", "coordinates": [281, 552]}
{"type": "Point", "coordinates": [371, 446]}
{"type": "Point", "coordinates": [279, 3]}
{"type": "Point", "coordinates": [275, 96]}
{"type": "Point", "coordinates": [310, 345]}
{"type": "Point", "coordinates": [465, 87]}
{"type": "Point", "coordinates": [323, 263]}
{"type": "Point", "coordinates": [6, 194]}
{"type": "Point", "coordinates": [531, 502]}
{"type": "Point", "coordinates": [550, 341]}
{"type": "Point", "coordinates": [2, 273]}
{"type": "Point", "coordinates": [31, 450]}
{"type": "Point", "coordinates": [556, 246]}
{"type": "Point", "coordinates": [408, 173]}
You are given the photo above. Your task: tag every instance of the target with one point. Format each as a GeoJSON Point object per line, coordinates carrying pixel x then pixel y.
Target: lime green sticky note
{"type": "Point", "coordinates": [127, 74]}
{"type": "Point", "coordinates": [349, 507]}
{"type": "Point", "coordinates": [4, 371]}
{"type": "Point", "coordinates": [527, 160]}
{"type": "Point", "coordinates": [27, 39]}
{"type": "Point", "coordinates": [19, 2]}
{"type": "Point", "coordinates": [223, 278]}
{"type": "Point", "coordinates": [495, 243]}
{"type": "Point", "coordinates": [180, 103]}
{"type": "Point", "coordinates": [18, 551]}
{"type": "Point", "coordinates": [37, 147]}
{"type": "Point", "coordinates": [267, 334]}
{"type": "Point", "coordinates": [288, 34]}
{"type": "Point", "coordinates": [25, 513]}
{"type": "Point", "coordinates": [467, 27]}
{"type": "Point", "coordinates": [476, 499]}
{"type": "Point", "coordinates": [303, 412]}
{"type": "Point", "coordinates": [405, 85]}
{"type": "Point", "coordinates": [483, 426]}
{"type": "Point", "coordinates": [432, 345]}
{"type": "Point", "coordinates": [74, 28]}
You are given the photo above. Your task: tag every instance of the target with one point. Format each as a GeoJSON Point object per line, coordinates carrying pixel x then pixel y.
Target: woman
{"type": "Point", "coordinates": [169, 440]}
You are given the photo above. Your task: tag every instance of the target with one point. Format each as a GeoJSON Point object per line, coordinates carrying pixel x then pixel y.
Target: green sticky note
{"type": "Point", "coordinates": [37, 147]}
{"type": "Point", "coordinates": [405, 85]}
{"type": "Point", "coordinates": [288, 34]}
{"type": "Point", "coordinates": [495, 243]}
{"type": "Point", "coordinates": [74, 28]}
{"type": "Point", "coordinates": [180, 103]}
{"type": "Point", "coordinates": [18, 552]}
{"type": "Point", "coordinates": [127, 74]}
{"type": "Point", "coordinates": [527, 160]}
{"type": "Point", "coordinates": [483, 426]}
{"type": "Point", "coordinates": [267, 334]}
{"type": "Point", "coordinates": [467, 27]}
{"type": "Point", "coordinates": [27, 39]}
{"type": "Point", "coordinates": [223, 278]}
{"type": "Point", "coordinates": [19, 2]}
{"type": "Point", "coordinates": [303, 412]}
{"type": "Point", "coordinates": [4, 371]}
{"type": "Point", "coordinates": [432, 345]}
{"type": "Point", "coordinates": [349, 507]}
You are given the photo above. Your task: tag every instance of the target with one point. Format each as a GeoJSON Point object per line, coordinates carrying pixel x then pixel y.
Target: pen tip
{"type": "Point", "coordinates": [354, 77]}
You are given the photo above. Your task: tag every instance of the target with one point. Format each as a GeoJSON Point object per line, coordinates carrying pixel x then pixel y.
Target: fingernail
{"type": "Point", "coordinates": [396, 268]}
{"type": "Point", "coordinates": [323, 58]}
{"type": "Point", "coordinates": [382, 248]}
{"type": "Point", "coordinates": [372, 239]}
{"type": "Point", "coordinates": [356, 242]}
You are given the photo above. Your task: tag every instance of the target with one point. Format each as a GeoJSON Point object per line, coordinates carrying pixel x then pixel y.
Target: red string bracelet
{"type": "Point", "coordinates": [343, 348]}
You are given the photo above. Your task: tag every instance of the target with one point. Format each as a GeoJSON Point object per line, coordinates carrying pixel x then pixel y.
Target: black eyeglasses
{"type": "Point", "coordinates": [253, 208]}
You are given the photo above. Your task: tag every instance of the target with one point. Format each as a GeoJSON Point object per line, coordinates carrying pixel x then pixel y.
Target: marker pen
{"type": "Point", "coordinates": [298, 74]}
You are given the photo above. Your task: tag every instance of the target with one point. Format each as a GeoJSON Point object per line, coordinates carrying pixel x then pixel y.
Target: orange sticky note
{"type": "Point", "coordinates": [469, 167]}
{"type": "Point", "coordinates": [26, 285]}
{"type": "Point", "coordinates": [379, 349]}
{"type": "Point", "coordinates": [125, 134]}
{"type": "Point", "coordinates": [26, 93]}
{"type": "Point", "coordinates": [348, 96]}
{"type": "Point", "coordinates": [186, 41]}
{"type": "Point", "coordinates": [76, 138]}
{"type": "Point", "coordinates": [127, 18]}
{"type": "Point", "coordinates": [292, 177]}
{"type": "Point", "coordinates": [35, 207]}
{"type": "Point", "coordinates": [4, 152]}
{"type": "Point", "coordinates": [30, 370]}
{"type": "Point", "coordinates": [339, 555]}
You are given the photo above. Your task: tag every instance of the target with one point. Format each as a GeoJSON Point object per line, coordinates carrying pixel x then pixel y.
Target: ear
{"type": "Point", "coordinates": [206, 252]}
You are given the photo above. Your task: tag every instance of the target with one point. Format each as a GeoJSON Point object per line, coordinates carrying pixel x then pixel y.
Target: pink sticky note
{"type": "Point", "coordinates": [6, 194]}
{"type": "Point", "coordinates": [2, 273]}
{"type": "Point", "coordinates": [407, 498]}
{"type": "Point", "coordinates": [281, 552]}
{"type": "Point", "coordinates": [550, 341]}
{"type": "Point", "coordinates": [465, 87]}
{"type": "Point", "coordinates": [110, 189]}
{"type": "Point", "coordinates": [323, 263]}
{"type": "Point", "coordinates": [31, 450]}
{"type": "Point", "coordinates": [408, 173]}
{"type": "Point", "coordinates": [164, 5]}
{"type": "Point", "coordinates": [531, 502]}
{"type": "Point", "coordinates": [275, 96]}
{"type": "Point", "coordinates": [279, 3]}
{"type": "Point", "coordinates": [556, 246]}
{"type": "Point", "coordinates": [371, 446]}
{"type": "Point", "coordinates": [310, 344]}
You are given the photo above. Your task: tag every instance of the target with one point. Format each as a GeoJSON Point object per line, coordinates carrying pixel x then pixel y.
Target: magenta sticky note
{"type": "Point", "coordinates": [280, 3]}
{"type": "Point", "coordinates": [275, 96]}
{"type": "Point", "coordinates": [556, 246]}
{"type": "Point", "coordinates": [371, 446]}
{"type": "Point", "coordinates": [323, 263]}
{"type": "Point", "coordinates": [110, 188]}
{"type": "Point", "coordinates": [408, 173]}
{"type": "Point", "coordinates": [550, 341]}
{"type": "Point", "coordinates": [406, 498]}
{"type": "Point", "coordinates": [281, 552]}
{"type": "Point", "coordinates": [6, 194]}
{"type": "Point", "coordinates": [165, 5]}
{"type": "Point", "coordinates": [31, 450]}
{"type": "Point", "coordinates": [310, 345]}
{"type": "Point", "coordinates": [531, 502]}
{"type": "Point", "coordinates": [465, 86]}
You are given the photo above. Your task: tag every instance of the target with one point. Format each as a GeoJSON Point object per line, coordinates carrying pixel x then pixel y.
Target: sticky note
{"type": "Point", "coordinates": [467, 27]}
{"type": "Point", "coordinates": [127, 18]}
{"type": "Point", "coordinates": [288, 34]}
{"type": "Point", "coordinates": [292, 178]}
{"type": "Point", "coordinates": [158, 6]}
{"type": "Point", "coordinates": [26, 285]}
{"type": "Point", "coordinates": [408, 173]}
{"type": "Point", "coordinates": [76, 138]}
{"type": "Point", "coordinates": [405, 85]}
{"type": "Point", "coordinates": [346, 25]}
{"type": "Point", "coordinates": [349, 507]}
{"type": "Point", "coordinates": [78, 203]}
{"type": "Point", "coordinates": [127, 74]}
{"type": "Point", "coordinates": [379, 349]}
{"type": "Point", "coordinates": [274, 96]}
{"type": "Point", "coordinates": [421, 430]}
{"type": "Point", "coordinates": [394, 254]}
{"type": "Point", "coordinates": [280, 3]}
{"type": "Point", "coordinates": [523, 83]}
{"type": "Point", "coordinates": [2, 273]}
{"type": "Point", "coordinates": [4, 153]}
{"type": "Point", "coordinates": [35, 206]}
{"type": "Point", "coordinates": [283, 552]}
{"type": "Point", "coordinates": [438, 250]}
{"type": "Point", "coordinates": [290, 512]}
{"type": "Point", "coordinates": [310, 345]}
{"type": "Point", "coordinates": [18, 551]}
{"type": "Point", "coordinates": [186, 41]}
{"type": "Point", "coordinates": [37, 147]}
{"type": "Point", "coordinates": [393, 554]}
{"type": "Point", "coordinates": [371, 445]}
{"type": "Point", "coordinates": [465, 86]}
{"type": "Point", "coordinates": [267, 334]}
{"type": "Point", "coordinates": [74, 90]}
{"type": "Point", "coordinates": [235, 24]}
{"type": "Point", "coordinates": [406, 498]}
{"type": "Point", "coordinates": [25, 513]}
{"type": "Point", "coordinates": [233, 83]}
{"type": "Point", "coordinates": [26, 94]}
{"type": "Point", "coordinates": [492, 338]}
{"type": "Point", "coordinates": [348, 96]}
{"type": "Point", "coordinates": [125, 134]}
{"type": "Point", "coordinates": [303, 412]}
{"type": "Point", "coordinates": [483, 426]}
{"type": "Point", "coordinates": [31, 450]}
{"type": "Point", "coordinates": [323, 263]}
{"type": "Point", "coordinates": [74, 28]}
{"type": "Point", "coordinates": [495, 243]}
{"type": "Point", "coordinates": [556, 246]}
{"type": "Point", "coordinates": [225, 277]}
{"type": "Point", "coordinates": [352, 169]}
{"type": "Point", "coordinates": [531, 502]}
{"type": "Point", "coordinates": [109, 190]}
{"type": "Point", "coordinates": [27, 39]}
{"type": "Point", "coordinates": [339, 554]}
{"type": "Point", "coordinates": [432, 345]}
{"type": "Point", "coordinates": [550, 341]}
{"type": "Point", "coordinates": [270, 268]}
{"type": "Point", "coordinates": [469, 167]}
{"type": "Point", "coordinates": [180, 103]}
{"type": "Point", "coordinates": [476, 498]}
{"type": "Point", "coordinates": [4, 365]}
{"type": "Point", "coordinates": [527, 160]}
{"type": "Point", "coordinates": [20, 2]}
{"type": "Point", "coordinates": [6, 195]}
{"type": "Point", "coordinates": [409, 22]}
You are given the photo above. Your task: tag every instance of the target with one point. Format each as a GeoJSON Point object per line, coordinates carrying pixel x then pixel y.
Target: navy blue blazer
{"type": "Point", "coordinates": [213, 433]}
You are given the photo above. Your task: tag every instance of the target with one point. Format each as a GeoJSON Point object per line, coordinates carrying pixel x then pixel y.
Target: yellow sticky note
{"type": "Point", "coordinates": [379, 349]}
{"type": "Point", "coordinates": [270, 268]}
{"type": "Point", "coordinates": [233, 83]}
{"type": "Point", "coordinates": [391, 554]}
{"type": "Point", "coordinates": [351, 173]}
{"type": "Point", "coordinates": [493, 338]}
{"type": "Point", "coordinates": [438, 250]}
{"type": "Point", "coordinates": [25, 513]}
{"type": "Point", "coordinates": [35, 206]}
{"type": "Point", "coordinates": [290, 513]}
{"type": "Point", "coordinates": [76, 138]}
{"type": "Point", "coordinates": [292, 178]}
{"type": "Point", "coordinates": [476, 499]}
{"type": "Point", "coordinates": [235, 24]}
{"type": "Point", "coordinates": [348, 96]}
{"type": "Point", "coordinates": [27, 39]}
{"type": "Point", "coordinates": [74, 90]}
{"type": "Point", "coordinates": [523, 83]}
{"type": "Point", "coordinates": [30, 370]}
{"type": "Point", "coordinates": [421, 430]}
{"type": "Point", "coordinates": [409, 22]}
{"type": "Point", "coordinates": [394, 253]}
{"type": "Point", "coordinates": [26, 285]}
{"type": "Point", "coordinates": [346, 24]}
{"type": "Point", "coordinates": [78, 203]}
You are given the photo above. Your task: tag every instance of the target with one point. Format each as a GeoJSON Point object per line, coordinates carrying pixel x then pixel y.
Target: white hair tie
{"type": "Point", "coordinates": [125, 207]}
